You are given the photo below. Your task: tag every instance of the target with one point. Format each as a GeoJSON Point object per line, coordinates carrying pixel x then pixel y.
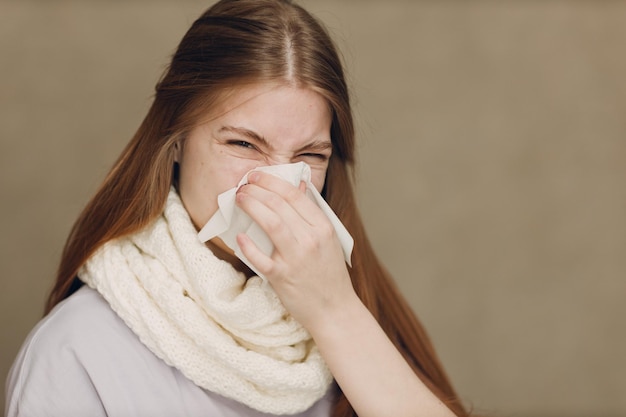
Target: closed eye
{"type": "Point", "coordinates": [320, 156]}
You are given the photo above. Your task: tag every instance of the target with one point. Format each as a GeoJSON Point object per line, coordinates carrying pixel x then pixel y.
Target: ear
{"type": "Point", "coordinates": [177, 151]}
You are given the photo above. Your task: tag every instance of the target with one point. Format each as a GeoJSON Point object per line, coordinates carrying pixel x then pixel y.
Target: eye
{"type": "Point", "coordinates": [241, 144]}
{"type": "Point", "coordinates": [318, 156]}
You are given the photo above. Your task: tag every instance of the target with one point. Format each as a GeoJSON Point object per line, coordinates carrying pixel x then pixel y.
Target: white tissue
{"type": "Point", "coordinates": [230, 220]}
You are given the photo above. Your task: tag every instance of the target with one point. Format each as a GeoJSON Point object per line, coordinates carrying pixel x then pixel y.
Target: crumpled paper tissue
{"type": "Point", "coordinates": [230, 220]}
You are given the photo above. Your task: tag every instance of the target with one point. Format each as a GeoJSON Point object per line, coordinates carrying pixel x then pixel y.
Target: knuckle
{"type": "Point", "coordinates": [273, 201]}
{"type": "Point", "coordinates": [313, 243]}
{"type": "Point", "coordinates": [274, 271]}
{"type": "Point", "coordinates": [309, 244]}
{"type": "Point", "coordinates": [274, 224]}
{"type": "Point", "coordinates": [293, 195]}
{"type": "Point", "coordinates": [267, 269]}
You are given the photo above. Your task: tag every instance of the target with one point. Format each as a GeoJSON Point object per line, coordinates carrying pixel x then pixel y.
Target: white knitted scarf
{"type": "Point", "coordinates": [228, 334]}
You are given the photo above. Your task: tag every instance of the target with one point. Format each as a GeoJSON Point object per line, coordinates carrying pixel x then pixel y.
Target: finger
{"type": "Point", "coordinates": [263, 263]}
{"type": "Point", "coordinates": [275, 203]}
{"type": "Point", "coordinates": [296, 197]}
{"type": "Point", "coordinates": [272, 222]}
{"type": "Point", "coordinates": [293, 238]}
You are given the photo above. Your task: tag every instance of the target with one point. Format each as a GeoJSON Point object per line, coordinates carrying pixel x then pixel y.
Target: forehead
{"type": "Point", "coordinates": [274, 111]}
{"type": "Point", "coordinates": [232, 98]}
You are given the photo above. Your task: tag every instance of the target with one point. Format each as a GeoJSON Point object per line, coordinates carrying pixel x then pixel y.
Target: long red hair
{"type": "Point", "coordinates": [231, 44]}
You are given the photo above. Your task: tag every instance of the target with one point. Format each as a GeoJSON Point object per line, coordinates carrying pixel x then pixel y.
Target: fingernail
{"type": "Point", "coordinates": [239, 197]}
{"type": "Point", "coordinates": [253, 176]}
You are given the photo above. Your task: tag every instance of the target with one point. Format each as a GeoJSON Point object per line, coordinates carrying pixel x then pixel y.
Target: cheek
{"type": "Point", "coordinates": [203, 180]}
{"type": "Point", "coordinates": [318, 177]}
{"type": "Point", "coordinates": [197, 191]}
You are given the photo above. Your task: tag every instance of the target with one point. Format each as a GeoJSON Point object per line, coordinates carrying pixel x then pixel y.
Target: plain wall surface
{"type": "Point", "coordinates": [492, 140]}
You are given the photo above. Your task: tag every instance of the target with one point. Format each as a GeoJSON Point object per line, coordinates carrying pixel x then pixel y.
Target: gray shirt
{"type": "Point", "coordinates": [82, 360]}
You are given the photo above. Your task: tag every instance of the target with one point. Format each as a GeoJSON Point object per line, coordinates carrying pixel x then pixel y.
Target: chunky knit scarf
{"type": "Point", "coordinates": [228, 334]}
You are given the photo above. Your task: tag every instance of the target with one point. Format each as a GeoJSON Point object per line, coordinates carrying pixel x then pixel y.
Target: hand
{"type": "Point", "coordinates": [307, 268]}
{"type": "Point", "coordinates": [308, 272]}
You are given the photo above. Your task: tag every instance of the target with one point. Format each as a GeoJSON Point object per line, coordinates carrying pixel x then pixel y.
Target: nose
{"type": "Point", "coordinates": [276, 160]}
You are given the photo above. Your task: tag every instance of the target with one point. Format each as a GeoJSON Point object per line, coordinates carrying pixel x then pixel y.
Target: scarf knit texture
{"type": "Point", "coordinates": [228, 334]}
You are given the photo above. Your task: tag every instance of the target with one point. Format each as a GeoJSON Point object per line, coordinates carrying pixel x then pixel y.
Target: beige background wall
{"type": "Point", "coordinates": [493, 150]}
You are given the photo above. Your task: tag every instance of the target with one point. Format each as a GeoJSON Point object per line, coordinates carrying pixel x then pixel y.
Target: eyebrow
{"type": "Point", "coordinates": [245, 132]}
{"type": "Point", "coordinates": [317, 145]}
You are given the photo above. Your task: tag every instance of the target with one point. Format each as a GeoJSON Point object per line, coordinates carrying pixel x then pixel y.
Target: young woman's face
{"type": "Point", "coordinates": [264, 124]}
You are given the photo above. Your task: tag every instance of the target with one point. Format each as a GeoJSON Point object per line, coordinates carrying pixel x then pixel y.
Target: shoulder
{"type": "Point", "coordinates": [49, 369]}
{"type": "Point", "coordinates": [79, 324]}
{"type": "Point", "coordinates": [82, 359]}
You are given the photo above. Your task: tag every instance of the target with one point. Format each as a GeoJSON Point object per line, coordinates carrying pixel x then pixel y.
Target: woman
{"type": "Point", "coordinates": [168, 325]}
